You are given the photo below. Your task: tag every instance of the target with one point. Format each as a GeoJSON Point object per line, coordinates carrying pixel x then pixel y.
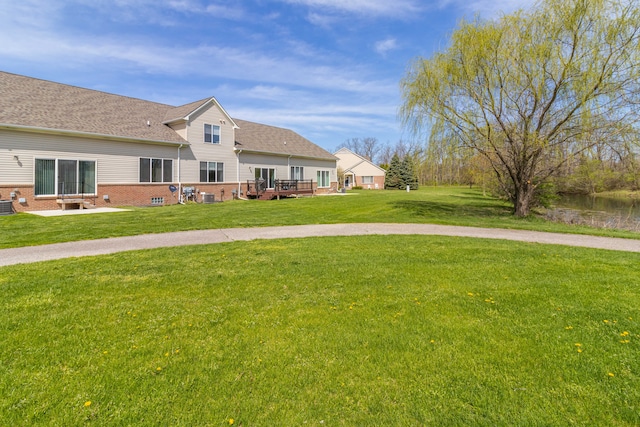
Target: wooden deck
{"type": "Point", "coordinates": [282, 188]}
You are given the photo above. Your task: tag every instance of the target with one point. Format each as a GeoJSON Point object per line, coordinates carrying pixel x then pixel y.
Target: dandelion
{"type": "Point", "coordinates": [166, 354]}
{"type": "Point", "coordinates": [158, 369]}
{"type": "Point", "coordinates": [605, 321]}
{"type": "Point", "coordinates": [611, 374]}
{"type": "Point", "coordinates": [568, 327]}
{"type": "Point", "coordinates": [470, 294]}
{"type": "Point", "coordinates": [624, 334]}
{"type": "Point", "coordinates": [231, 421]}
{"type": "Point", "coordinates": [87, 403]}
{"type": "Point", "coordinates": [624, 341]}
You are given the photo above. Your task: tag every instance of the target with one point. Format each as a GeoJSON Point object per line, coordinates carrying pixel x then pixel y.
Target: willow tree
{"type": "Point", "coordinates": [531, 90]}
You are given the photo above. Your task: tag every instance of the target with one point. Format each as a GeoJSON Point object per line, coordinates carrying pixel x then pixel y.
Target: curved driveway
{"type": "Point", "coordinates": [198, 237]}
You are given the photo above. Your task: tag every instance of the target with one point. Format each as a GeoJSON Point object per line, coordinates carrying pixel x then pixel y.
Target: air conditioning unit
{"type": "Point", "coordinates": [207, 199]}
{"type": "Point", "coordinates": [6, 207]}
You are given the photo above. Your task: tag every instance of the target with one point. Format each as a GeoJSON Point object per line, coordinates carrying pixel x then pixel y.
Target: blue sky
{"type": "Point", "coordinates": [328, 69]}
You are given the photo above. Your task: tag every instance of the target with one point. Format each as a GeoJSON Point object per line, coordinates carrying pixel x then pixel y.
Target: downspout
{"type": "Point", "coordinates": [179, 180]}
{"type": "Point", "coordinates": [238, 171]}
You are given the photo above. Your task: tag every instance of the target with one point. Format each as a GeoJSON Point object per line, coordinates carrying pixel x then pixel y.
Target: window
{"type": "Point", "coordinates": [157, 200]}
{"type": "Point", "coordinates": [323, 179]}
{"type": "Point", "coordinates": [156, 170]}
{"type": "Point", "coordinates": [267, 175]}
{"type": "Point", "coordinates": [367, 180]}
{"type": "Point", "coordinates": [297, 172]}
{"type": "Point", "coordinates": [212, 134]}
{"type": "Point", "coordinates": [63, 176]}
{"type": "Point", "coordinates": [211, 172]}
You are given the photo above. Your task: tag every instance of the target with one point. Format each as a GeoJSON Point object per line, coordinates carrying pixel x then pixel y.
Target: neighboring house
{"type": "Point", "coordinates": [61, 145]}
{"type": "Point", "coordinates": [358, 171]}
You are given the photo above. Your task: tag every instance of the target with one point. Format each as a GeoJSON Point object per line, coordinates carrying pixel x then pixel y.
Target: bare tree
{"type": "Point", "coordinates": [367, 147]}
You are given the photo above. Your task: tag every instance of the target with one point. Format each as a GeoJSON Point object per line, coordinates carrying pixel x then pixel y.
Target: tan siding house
{"type": "Point", "coordinates": [359, 171]}
{"type": "Point", "coordinates": [61, 144]}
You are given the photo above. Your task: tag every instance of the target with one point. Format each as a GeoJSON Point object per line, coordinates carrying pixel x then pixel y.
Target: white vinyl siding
{"type": "Point", "coordinates": [198, 151]}
{"type": "Point", "coordinates": [117, 162]}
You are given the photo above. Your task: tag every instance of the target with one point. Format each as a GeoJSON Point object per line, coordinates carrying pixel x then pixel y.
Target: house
{"type": "Point", "coordinates": [358, 171]}
{"type": "Point", "coordinates": [63, 146]}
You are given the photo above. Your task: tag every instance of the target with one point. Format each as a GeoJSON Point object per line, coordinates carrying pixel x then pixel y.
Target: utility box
{"type": "Point", "coordinates": [207, 199]}
{"type": "Point", "coordinates": [6, 207]}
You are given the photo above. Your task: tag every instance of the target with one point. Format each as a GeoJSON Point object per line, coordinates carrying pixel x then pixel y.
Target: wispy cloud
{"type": "Point", "coordinates": [397, 8]}
{"type": "Point", "coordinates": [384, 46]}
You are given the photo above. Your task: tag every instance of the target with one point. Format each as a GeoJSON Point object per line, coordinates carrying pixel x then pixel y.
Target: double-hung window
{"type": "Point", "coordinates": [211, 134]}
{"type": "Point", "coordinates": [323, 179]}
{"type": "Point", "coordinates": [211, 172]}
{"type": "Point", "coordinates": [156, 170]}
{"type": "Point", "coordinates": [64, 176]}
{"type": "Point", "coordinates": [367, 179]}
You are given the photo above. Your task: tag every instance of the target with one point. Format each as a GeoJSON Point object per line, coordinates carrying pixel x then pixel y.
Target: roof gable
{"type": "Point", "coordinates": [350, 160]}
{"type": "Point", "coordinates": [185, 112]}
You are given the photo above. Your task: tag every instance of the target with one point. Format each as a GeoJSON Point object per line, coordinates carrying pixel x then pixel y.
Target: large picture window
{"type": "Point", "coordinates": [64, 176]}
{"type": "Point", "coordinates": [211, 134]}
{"type": "Point", "coordinates": [211, 172]}
{"type": "Point", "coordinates": [324, 180]}
{"type": "Point", "coordinates": [156, 170]}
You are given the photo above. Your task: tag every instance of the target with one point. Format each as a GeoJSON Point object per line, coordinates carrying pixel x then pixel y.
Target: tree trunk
{"type": "Point", "coordinates": [522, 202]}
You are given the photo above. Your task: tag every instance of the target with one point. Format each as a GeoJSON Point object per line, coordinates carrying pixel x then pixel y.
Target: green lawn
{"type": "Point", "coordinates": [370, 330]}
{"type": "Point", "coordinates": [367, 330]}
{"type": "Point", "coordinates": [442, 205]}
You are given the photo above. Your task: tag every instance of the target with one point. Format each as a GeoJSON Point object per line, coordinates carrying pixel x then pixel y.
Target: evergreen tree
{"type": "Point", "coordinates": [408, 173]}
{"type": "Point", "coordinates": [393, 178]}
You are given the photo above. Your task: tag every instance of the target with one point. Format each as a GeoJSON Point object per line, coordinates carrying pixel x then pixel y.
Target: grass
{"type": "Point", "coordinates": [442, 205]}
{"type": "Point", "coordinates": [369, 330]}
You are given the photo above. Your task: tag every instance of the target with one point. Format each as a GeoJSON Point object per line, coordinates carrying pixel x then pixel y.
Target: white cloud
{"type": "Point", "coordinates": [396, 8]}
{"type": "Point", "coordinates": [384, 46]}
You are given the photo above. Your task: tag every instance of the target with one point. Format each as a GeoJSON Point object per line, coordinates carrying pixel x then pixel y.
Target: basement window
{"type": "Point", "coordinates": [157, 200]}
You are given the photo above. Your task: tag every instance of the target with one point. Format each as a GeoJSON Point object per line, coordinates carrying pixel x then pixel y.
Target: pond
{"type": "Point", "coordinates": [597, 211]}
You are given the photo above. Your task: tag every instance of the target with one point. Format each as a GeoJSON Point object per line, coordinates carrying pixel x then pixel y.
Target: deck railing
{"type": "Point", "coordinates": [280, 186]}
{"type": "Point", "coordinates": [77, 190]}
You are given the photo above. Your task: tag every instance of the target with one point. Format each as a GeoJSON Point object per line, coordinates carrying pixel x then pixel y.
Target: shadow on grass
{"type": "Point", "coordinates": [479, 208]}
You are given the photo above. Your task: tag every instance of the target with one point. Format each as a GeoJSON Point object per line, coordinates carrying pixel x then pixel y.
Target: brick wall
{"type": "Point", "coordinates": [118, 195]}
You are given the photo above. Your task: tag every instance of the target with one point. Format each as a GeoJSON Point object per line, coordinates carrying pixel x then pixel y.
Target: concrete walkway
{"type": "Point", "coordinates": [199, 237]}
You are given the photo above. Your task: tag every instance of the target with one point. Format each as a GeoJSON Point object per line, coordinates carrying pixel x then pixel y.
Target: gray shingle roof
{"type": "Point", "coordinates": [25, 101]}
{"type": "Point", "coordinates": [30, 102]}
{"type": "Point", "coordinates": [264, 138]}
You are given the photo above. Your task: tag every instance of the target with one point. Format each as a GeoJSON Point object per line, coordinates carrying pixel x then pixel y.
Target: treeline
{"type": "Point", "coordinates": [606, 166]}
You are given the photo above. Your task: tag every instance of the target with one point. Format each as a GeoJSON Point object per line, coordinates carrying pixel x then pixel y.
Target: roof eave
{"type": "Point", "coordinates": [50, 131]}
{"type": "Point", "coordinates": [280, 154]}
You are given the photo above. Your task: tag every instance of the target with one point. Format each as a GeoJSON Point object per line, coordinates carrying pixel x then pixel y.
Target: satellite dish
{"type": "Point", "coordinates": [173, 188]}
